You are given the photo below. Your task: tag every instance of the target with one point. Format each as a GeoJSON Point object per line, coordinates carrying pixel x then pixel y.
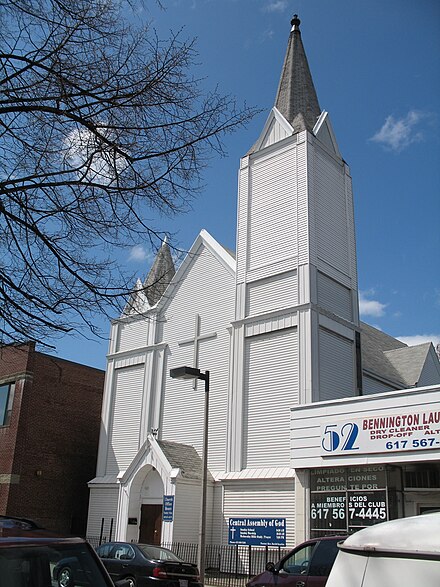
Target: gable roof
{"type": "Point", "coordinates": [374, 344]}
{"type": "Point", "coordinates": [409, 361]}
{"type": "Point", "coordinates": [224, 256]}
{"type": "Point", "coordinates": [323, 130]}
{"type": "Point", "coordinates": [174, 458]}
{"type": "Point", "coordinates": [275, 129]}
{"type": "Point", "coordinates": [183, 457]}
{"type": "Point", "coordinates": [389, 359]}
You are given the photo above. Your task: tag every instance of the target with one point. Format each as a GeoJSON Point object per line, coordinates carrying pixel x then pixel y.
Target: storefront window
{"type": "Point", "coordinates": [346, 499]}
{"type": "Point", "coordinates": [422, 476]}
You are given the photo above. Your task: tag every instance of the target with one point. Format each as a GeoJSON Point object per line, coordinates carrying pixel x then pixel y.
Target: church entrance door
{"type": "Point", "coordinates": [151, 524]}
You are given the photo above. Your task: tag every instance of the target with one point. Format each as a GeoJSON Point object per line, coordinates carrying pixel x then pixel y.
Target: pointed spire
{"type": "Point", "coordinates": [160, 275]}
{"type": "Point", "coordinates": [296, 97]}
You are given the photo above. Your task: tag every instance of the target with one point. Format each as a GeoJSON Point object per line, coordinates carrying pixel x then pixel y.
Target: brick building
{"type": "Point", "coordinates": [49, 429]}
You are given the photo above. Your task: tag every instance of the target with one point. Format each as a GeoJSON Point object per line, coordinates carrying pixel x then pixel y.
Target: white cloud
{"type": "Point", "coordinates": [370, 307]}
{"type": "Point", "coordinates": [420, 339]}
{"type": "Point", "coordinates": [267, 35]}
{"type": "Point", "coordinates": [397, 134]}
{"type": "Point", "coordinates": [275, 6]}
{"type": "Point", "coordinates": [139, 253]}
{"type": "Point", "coordinates": [93, 158]}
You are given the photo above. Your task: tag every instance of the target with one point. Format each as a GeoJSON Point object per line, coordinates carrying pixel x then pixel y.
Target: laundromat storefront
{"type": "Point", "coordinates": [366, 460]}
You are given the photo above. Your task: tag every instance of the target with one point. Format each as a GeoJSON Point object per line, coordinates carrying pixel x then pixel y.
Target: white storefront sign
{"type": "Point", "coordinates": [409, 430]}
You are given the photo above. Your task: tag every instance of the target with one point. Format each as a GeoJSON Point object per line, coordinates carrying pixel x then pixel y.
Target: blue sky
{"type": "Point", "coordinates": [376, 69]}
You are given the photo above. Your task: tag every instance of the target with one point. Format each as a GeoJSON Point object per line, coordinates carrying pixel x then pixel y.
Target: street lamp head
{"type": "Point", "coordinates": [185, 373]}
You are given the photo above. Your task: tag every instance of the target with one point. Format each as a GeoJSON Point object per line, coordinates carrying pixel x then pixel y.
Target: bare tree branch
{"type": "Point", "coordinates": [103, 126]}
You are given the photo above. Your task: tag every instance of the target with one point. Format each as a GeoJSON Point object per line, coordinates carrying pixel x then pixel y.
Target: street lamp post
{"type": "Point", "coordinates": [193, 373]}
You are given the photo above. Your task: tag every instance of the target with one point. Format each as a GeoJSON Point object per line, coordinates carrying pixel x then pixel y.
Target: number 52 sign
{"type": "Point", "coordinates": [340, 438]}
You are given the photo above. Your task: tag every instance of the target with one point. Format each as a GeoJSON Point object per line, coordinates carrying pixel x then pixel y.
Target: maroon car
{"type": "Point", "coordinates": [307, 565]}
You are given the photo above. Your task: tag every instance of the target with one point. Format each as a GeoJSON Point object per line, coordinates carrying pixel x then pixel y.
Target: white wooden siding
{"type": "Point", "coordinates": [208, 289]}
{"type": "Point", "coordinates": [277, 267]}
{"type": "Point", "coordinates": [132, 334]}
{"type": "Point", "coordinates": [330, 211]}
{"type": "Point", "coordinates": [186, 513]}
{"type": "Point", "coordinates": [334, 297]}
{"type": "Point", "coordinates": [278, 291]}
{"type": "Point", "coordinates": [430, 374]}
{"type": "Point", "coordinates": [351, 231]}
{"type": "Point", "coordinates": [218, 520]}
{"type": "Point", "coordinates": [242, 219]}
{"type": "Point", "coordinates": [270, 390]}
{"type": "Point", "coordinates": [279, 321]}
{"type": "Point", "coordinates": [127, 409]}
{"type": "Point", "coordinates": [129, 360]}
{"type": "Point", "coordinates": [324, 135]}
{"type": "Point", "coordinates": [306, 229]}
{"type": "Point", "coordinates": [274, 133]}
{"type": "Point", "coordinates": [336, 366]}
{"type": "Point", "coordinates": [371, 385]}
{"type": "Point", "coordinates": [103, 503]}
{"type": "Point", "coordinates": [268, 499]}
{"type": "Point", "coordinates": [272, 222]}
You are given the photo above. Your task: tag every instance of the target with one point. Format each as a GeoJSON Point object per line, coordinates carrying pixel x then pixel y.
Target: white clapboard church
{"type": "Point", "coordinates": [277, 325]}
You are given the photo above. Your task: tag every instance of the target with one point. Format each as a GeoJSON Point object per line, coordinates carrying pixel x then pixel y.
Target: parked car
{"type": "Point", "coordinates": [307, 565]}
{"type": "Point", "coordinates": [399, 553]}
{"type": "Point", "coordinates": [146, 565]}
{"type": "Point", "coordinates": [33, 557]}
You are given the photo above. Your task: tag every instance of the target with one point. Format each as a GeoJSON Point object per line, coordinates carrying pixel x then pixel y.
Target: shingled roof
{"type": "Point", "coordinates": [296, 96]}
{"type": "Point", "coordinates": [409, 362]}
{"type": "Point", "coordinates": [183, 457]}
{"type": "Point", "coordinates": [374, 344]}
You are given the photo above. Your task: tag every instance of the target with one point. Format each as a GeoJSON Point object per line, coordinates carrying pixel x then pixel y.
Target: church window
{"type": "Point", "coordinates": [6, 398]}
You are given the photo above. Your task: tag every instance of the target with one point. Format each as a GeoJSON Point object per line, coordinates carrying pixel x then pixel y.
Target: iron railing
{"type": "Point", "coordinates": [226, 565]}
{"type": "Point", "coordinates": [229, 565]}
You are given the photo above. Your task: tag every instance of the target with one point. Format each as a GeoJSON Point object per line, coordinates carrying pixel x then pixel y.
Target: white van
{"type": "Point", "coordinates": [399, 553]}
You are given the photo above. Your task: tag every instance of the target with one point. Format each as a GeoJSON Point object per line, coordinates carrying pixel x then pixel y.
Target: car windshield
{"type": "Point", "coordinates": [49, 566]}
{"type": "Point", "coordinates": [157, 553]}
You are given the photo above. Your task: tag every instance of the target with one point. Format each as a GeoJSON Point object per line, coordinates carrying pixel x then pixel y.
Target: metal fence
{"type": "Point", "coordinates": [226, 565]}
{"type": "Point", "coordinates": [229, 566]}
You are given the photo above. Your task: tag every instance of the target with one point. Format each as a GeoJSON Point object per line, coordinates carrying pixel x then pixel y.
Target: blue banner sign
{"type": "Point", "coordinates": [168, 508]}
{"type": "Point", "coordinates": [257, 531]}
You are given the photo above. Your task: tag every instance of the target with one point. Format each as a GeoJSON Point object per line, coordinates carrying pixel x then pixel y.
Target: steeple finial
{"type": "Point", "coordinates": [295, 22]}
{"type": "Point", "coordinates": [296, 97]}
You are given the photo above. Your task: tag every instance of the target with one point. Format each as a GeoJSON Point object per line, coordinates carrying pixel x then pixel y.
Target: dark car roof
{"type": "Point", "coordinates": [21, 531]}
{"type": "Point", "coordinates": [337, 538]}
{"type": "Point", "coordinates": [116, 542]}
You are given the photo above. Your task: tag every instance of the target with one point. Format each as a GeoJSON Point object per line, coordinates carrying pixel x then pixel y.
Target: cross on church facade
{"type": "Point", "coordinates": [198, 337]}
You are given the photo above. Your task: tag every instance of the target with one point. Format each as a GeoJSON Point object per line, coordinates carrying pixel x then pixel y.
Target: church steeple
{"type": "Point", "coordinates": [296, 97]}
{"type": "Point", "coordinates": [296, 276]}
{"type": "Point", "coordinates": [160, 275]}
{"type": "Point", "coordinates": [146, 295]}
